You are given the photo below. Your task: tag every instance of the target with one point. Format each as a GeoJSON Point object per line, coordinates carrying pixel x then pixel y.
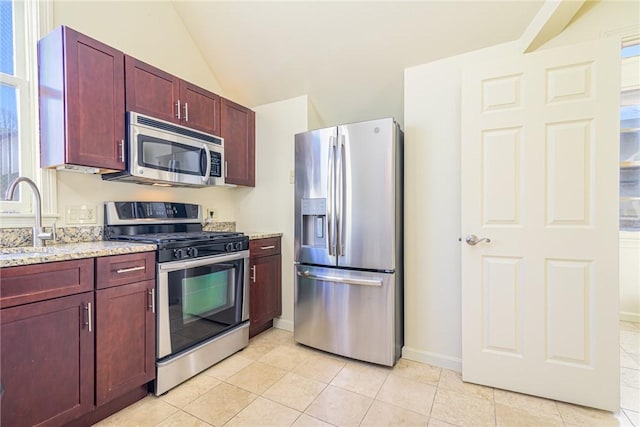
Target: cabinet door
{"type": "Point", "coordinates": [201, 108]}
{"type": "Point", "coordinates": [237, 127]}
{"type": "Point", "coordinates": [152, 91]}
{"type": "Point", "coordinates": [81, 101]}
{"type": "Point", "coordinates": [47, 361]}
{"type": "Point", "coordinates": [265, 292]}
{"type": "Point", "coordinates": [125, 339]}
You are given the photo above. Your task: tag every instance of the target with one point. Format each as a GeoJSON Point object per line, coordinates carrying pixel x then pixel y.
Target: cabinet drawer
{"type": "Point", "coordinates": [38, 282]}
{"type": "Point", "coordinates": [264, 247]}
{"type": "Point", "coordinates": [121, 269]}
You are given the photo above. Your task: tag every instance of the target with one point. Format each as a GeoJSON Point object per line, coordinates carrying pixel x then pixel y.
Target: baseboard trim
{"type": "Point", "coordinates": [630, 317]}
{"type": "Point", "coordinates": [435, 359]}
{"type": "Point", "coordinates": [285, 324]}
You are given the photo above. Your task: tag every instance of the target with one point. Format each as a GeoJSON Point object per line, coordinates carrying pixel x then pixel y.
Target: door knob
{"type": "Point", "coordinates": [473, 240]}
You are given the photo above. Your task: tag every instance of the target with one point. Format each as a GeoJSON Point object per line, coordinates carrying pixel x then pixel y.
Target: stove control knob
{"type": "Point", "coordinates": [192, 252]}
{"type": "Point", "coordinates": [238, 246]}
{"type": "Point", "coordinates": [228, 247]}
{"type": "Point", "coordinates": [178, 253]}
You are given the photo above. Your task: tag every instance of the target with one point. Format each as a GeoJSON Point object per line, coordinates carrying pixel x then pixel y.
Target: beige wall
{"type": "Point", "coordinates": [269, 206]}
{"type": "Point", "coordinates": [432, 185]}
{"type": "Point", "coordinates": [432, 207]}
{"type": "Point", "coordinates": [153, 32]}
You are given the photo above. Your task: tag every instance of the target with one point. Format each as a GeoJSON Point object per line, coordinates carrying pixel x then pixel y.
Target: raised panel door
{"type": "Point", "coordinates": [47, 361]}
{"type": "Point", "coordinates": [237, 127]}
{"type": "Point", "coordinates": [125, 339]}
{"type": "Point", "coordinates": [540, 299]}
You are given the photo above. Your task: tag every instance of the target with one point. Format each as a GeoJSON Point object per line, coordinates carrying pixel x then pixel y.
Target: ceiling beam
{"type": "Point", "coordinates": [552, 18]}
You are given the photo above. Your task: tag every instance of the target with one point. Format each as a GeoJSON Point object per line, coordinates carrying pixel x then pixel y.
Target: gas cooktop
{"type": "Point", "coordinates": [175, 227]}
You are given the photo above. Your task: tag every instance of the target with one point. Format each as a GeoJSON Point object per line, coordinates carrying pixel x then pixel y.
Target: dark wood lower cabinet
{"type": "Point", "coordinates": [125, 339]}
{"type": "Point", "coordinates": [73, 359]}
{"type": "Point", "coordinates": [265, 281]}
{"type": "Point", "coordinates": [47, 361]}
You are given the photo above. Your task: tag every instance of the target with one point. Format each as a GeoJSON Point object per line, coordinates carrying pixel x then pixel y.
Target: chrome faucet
{"type": "Point", "coordinates": [39, 235]}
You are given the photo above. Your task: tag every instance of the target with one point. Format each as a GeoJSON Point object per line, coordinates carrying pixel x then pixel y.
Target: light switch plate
{"type": "Point", "coordinates": [80, 214]}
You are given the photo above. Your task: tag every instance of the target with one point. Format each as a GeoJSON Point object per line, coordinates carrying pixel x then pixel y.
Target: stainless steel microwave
{"type": "Point", "coordinates": [158, 152]}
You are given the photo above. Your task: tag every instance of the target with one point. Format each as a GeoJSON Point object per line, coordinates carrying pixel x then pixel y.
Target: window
{"type": "Point", "coordinates": [21, 24]}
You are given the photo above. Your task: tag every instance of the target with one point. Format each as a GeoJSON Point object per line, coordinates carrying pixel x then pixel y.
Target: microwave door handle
{"type": "Point", "coordinates": [205, 178]}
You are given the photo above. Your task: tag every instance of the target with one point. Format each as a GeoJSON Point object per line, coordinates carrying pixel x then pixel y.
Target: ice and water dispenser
{"type": "Point", "coordinates": [314, 222]}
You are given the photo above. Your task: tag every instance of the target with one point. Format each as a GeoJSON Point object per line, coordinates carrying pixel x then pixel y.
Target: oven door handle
{"type": "Point", "coordinates": [181, 265]}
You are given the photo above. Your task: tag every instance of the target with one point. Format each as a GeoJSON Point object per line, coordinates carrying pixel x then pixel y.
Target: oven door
{"type": "Point", "coordinates": [200, 299]}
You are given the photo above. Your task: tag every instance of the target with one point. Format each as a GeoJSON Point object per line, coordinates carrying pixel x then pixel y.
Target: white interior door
{"type": "Point", "coordinates": [540, 180]}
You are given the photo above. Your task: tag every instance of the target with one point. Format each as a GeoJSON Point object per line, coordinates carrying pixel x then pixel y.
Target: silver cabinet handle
{"type": "Point", "coordinates": [152, 300]}
{"type": "Point", "coordinates": [129, 270]}
{"type": "Point", "coordinates": [87, 308]}
{"type": "Point", "coordinates": [225, 168]}
{"type": "Point", "coordinates": [366, 282]}
{"type": "Point", "coordinates": [121, 149]}
{"type": "Point", "coordinates": [253, 273]}
{"type": "Point", "coordinates": [178, 110]}
{"type": "Point", "coordinates": [264, 248]}
{"type": "Point", "coordinates": [473, 240]}
{"type": "Point", "coordinates": [186, 112]}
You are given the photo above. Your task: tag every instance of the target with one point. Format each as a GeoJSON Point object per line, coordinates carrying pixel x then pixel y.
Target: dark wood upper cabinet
{"type": "Point", "coordinates": [237, 127]}
{"type": "Point", "coordinates": [151, 91]}
{"type": "Point", "coordinates": [161, 95]}
{"type": "Point", "coordinates": [201, 108]}
{"type": "Point", "coordinates": [81, 99]}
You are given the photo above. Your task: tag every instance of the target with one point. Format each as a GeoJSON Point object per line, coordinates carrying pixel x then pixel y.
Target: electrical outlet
{"type": "Point", "coordinates": [210, 214]}
{"type": "Point", "coordinates": [81, 214]}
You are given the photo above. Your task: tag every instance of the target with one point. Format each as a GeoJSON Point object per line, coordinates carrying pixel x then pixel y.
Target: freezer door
{"type": "Point", "coordinates": [369, 195]}
{"type": "Point", "coordinates": [351, 313]}
{"type": "Point", "coordinates": [315, 237]}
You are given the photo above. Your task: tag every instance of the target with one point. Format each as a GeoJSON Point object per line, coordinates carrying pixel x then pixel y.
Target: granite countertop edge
{"type": "Point", "coordinates": [70, 251]}
{"type": "Point", "coordinates": [254, 235]}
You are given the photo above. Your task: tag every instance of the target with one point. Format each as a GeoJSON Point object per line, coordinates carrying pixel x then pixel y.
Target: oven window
{"type": "Point", "coordinates": [206, 295]}
{"type": "Point", "coordinates": [204, 301]}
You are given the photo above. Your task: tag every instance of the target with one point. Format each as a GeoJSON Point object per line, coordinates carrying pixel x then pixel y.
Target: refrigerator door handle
{"type": "Point", "coordinates": [331, 197]}
{"type": "Point", "coordinates": [364, 282]}
{"type": "Point", "coordinates": [340, 199]}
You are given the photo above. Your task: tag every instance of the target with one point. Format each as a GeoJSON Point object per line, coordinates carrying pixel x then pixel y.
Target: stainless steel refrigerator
{"type": "Point", "coordinates": [348, 240]}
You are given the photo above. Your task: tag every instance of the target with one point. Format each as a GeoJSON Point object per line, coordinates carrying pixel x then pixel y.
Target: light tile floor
{"type": "Point", "coordinates": [275, 382]}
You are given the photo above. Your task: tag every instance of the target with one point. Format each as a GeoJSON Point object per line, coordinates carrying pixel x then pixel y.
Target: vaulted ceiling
{"type": "Point", "coordinates": [348, 57]}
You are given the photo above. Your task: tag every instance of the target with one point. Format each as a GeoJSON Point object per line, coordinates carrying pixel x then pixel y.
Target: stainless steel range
{"type": "Point", "coordinates": [202, 294]}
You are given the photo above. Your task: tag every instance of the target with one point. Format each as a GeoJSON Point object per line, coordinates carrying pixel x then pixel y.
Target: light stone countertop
{"type": "Point", "coordinates": [253, 235]}
{"type": "Point", "coordinates": [24, 256]}
{"type": "Point", "coordinates": [10, 257]}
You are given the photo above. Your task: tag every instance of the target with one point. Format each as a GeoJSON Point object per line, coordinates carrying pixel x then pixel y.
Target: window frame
{"type": "Point", "coordinates": [32, 20]}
